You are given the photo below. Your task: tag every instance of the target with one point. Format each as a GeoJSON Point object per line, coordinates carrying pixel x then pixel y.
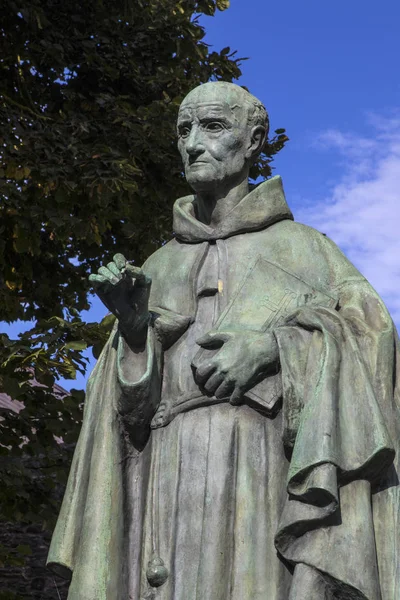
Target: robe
{"type": "Point", "coordinates": [299, 500]}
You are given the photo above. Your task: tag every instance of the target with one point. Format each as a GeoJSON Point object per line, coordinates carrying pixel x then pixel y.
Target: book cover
{"type": "Point", "coordinates": [266, 298]}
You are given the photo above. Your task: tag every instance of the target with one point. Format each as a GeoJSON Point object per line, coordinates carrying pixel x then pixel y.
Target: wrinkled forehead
{"type": "Point", "coordinates": [201, 110]}
{"type": "Point", "coordinates": [209, 101]}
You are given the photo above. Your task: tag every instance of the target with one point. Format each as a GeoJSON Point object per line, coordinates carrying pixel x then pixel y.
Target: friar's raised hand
{"type": "Point", "coordinates": [124, 290]}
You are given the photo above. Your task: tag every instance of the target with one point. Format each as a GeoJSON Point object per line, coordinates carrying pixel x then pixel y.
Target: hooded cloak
{"type": "Point", "coordinates": [299, 501]}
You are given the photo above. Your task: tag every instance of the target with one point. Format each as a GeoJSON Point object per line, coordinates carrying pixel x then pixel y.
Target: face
{"type": "Point", "coordinates": [213, 140]}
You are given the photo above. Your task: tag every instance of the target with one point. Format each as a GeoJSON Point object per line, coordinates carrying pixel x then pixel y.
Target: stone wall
{"type": "Point", "coordinates": [32, 580]}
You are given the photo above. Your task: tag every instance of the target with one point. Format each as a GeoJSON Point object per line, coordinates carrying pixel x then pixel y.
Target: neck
{"type": "Point", "coordinates": [213, 207]}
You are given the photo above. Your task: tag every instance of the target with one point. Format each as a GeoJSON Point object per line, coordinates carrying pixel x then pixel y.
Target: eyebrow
{"type": "Point", "coordinates": [209, 118]}
{"type": "Point", "coordinates": [184, 121]}
{"type": "Point", "coordinates": [206, 117]}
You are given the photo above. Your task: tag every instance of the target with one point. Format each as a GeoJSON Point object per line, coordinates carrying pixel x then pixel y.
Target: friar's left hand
{"type": "Point", "coordinates": [244, 358]}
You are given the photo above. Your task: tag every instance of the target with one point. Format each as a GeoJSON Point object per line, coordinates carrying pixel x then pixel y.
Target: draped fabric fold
{"type": "Point", "coordinates": [89, 537]}
{"type": "Point", "coordinates": [342, 446]}
{"type": "Point", "coordinates": [301, 503]}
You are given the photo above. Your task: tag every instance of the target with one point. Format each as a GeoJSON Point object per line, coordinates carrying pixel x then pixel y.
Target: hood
{"type": "Point", "coordinates": [262, 207]}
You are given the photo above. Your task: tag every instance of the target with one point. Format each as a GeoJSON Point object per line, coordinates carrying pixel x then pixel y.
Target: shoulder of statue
{"type": "Point", "coordinates": [161, 255]}
{"type": "Point", "coordinates": [296, 232]}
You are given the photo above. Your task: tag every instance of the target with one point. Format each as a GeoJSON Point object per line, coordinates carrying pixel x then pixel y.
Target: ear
{"type": "Point", "coordinates": [256, 141]}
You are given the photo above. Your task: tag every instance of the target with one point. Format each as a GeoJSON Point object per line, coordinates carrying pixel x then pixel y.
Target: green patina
{"type": "Point", "coordinates": [241, 429]}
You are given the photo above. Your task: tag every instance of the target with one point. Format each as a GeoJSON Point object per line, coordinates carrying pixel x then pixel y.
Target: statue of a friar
{"type": "Point", "coordinates": [241, 428]}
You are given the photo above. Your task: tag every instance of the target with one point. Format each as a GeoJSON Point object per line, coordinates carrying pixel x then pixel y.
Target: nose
{"type": "Point", "coordinates": [194, 145]}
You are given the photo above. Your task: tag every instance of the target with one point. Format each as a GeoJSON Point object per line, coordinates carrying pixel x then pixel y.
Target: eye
{"type": "Point", "coordinates": [184, 131]}
{"type": "Point", "coordinates": [214, 126]}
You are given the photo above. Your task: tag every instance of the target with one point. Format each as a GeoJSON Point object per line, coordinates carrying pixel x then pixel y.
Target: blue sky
{"type": "Point", "coordinates": [317, 66]}
{"type": "Point", "coordinates": [329, 73]}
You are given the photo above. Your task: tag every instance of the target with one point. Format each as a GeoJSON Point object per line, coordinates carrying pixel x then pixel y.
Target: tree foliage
{"type": "Point", "coordinates": [89, 96]}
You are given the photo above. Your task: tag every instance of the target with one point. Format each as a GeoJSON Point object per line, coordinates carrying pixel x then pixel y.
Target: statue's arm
{"type": "Point", "coordinates": [139, 379]}
{"type": "Point", "coordinates": [125, 290]}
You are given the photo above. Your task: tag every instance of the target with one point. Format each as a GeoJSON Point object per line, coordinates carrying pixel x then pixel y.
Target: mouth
{"type": "Point", "coordinates": [197, 162]}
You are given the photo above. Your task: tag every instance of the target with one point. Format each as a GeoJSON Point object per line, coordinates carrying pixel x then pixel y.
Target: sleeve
{"type": "Point", "coordinates": [139, 375]}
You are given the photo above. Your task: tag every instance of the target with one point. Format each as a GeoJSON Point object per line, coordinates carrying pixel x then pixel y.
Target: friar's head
{"type": "Point", "coordinates": [221, 130]}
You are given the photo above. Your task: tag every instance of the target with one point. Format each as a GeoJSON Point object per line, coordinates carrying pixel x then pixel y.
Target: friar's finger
{"type": "Point", "coordinates": [99, 282]}
{"type": "Point", "coordinates": [204, 371]}
{"type": "Point", "coordinates": [213, 382]}
{"type": "Point", "coordinates": [213, 339]}
{"type": "Point", "coordinates": [136, 273]}
{"type": "Point", "coordinates": [97, 278]}
{"type": "Point", "coordinates": [119, 260]}
{"type": "Point", "coordinates": [114, 269]}
{"type": "Point", "coordinates": [224, 390]}
{"type": "Point", "coordinates": [108, 275]}
{"type": "Point", "coordinates": [237, 396]}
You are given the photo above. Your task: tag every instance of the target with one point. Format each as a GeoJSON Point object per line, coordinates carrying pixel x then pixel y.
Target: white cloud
{"type": "Point", "coordinates": [362, 211]}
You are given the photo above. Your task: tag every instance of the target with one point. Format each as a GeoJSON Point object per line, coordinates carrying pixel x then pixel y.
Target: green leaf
{"type": "Point", "coordinates": [107, 322]}
{"type": "Point", "coordinates": [223, 4]}
{"type": "Point", "coordinates": [77, 345]}
{"type": "Point", "coordinates": [24, 549]}
{"type": "Point", "coordinates": [11, 387]}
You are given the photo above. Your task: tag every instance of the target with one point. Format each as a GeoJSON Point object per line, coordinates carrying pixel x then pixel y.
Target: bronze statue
{"type": "Point", "coordinates": [241, 427]}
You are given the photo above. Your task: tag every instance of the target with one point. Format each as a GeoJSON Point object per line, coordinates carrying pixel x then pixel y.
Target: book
{"type": "Point", "coordinates": [266, 298]}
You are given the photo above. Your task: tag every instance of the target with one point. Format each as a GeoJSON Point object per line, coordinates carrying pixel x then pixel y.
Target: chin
{"type": "Point", "coordinates": [201, 184]}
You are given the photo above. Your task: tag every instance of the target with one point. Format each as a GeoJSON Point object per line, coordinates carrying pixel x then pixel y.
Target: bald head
{"type": "Point", "coordinates": [243, 104]}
